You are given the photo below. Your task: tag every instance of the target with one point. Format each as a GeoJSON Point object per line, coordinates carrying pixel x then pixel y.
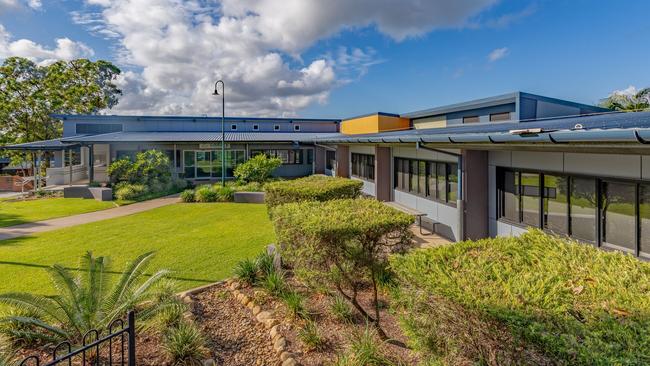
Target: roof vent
{"type": "Point", "coordinates": [578, 126]}
{"type": "Point", "coordinates": [526, 131]}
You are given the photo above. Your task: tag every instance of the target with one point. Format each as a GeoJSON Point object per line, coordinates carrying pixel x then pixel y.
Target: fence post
{"type": "Point", "coordinates": [131, 338]}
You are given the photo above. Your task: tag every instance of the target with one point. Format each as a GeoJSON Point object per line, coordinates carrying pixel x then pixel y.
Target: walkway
{"type": "Point", "coordinates": [428, 240]}
{"type": "Point", "coordinates": [61, 222]}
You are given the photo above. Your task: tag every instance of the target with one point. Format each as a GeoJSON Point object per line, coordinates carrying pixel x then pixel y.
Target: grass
{"type": "Point", "coordinates": [16, 212]}
{"type": "Point", "coordinates": [200, 243]}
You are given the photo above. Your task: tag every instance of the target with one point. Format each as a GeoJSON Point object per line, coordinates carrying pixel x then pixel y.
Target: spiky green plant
{"type": "Point", "coordinates": [275, 284]}
{"type": "Point", "coordinates": [246, 271]}
{"type": "Point", "coordinates": [311, 337]}
{"type": "Point", "coordinates": [7, 354]}
{"type": "Point", "coordinates": [265, 263]}
{"type": "Point", "coordinates": [85, 300]}
{"type": "Point", "coordinates": [340, 309]}
{"type": "Point", "coordinates": [295, 302]}
{"type": "Point", "coordinates": [185, 344]}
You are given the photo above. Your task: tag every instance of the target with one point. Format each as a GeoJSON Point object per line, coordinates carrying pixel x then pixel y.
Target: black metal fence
{"type": "Point", "coordinates": [115, 348]}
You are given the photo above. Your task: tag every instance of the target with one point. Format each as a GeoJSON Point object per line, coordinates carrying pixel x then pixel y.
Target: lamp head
{"type": "Point", "coordinates": [216, 87]}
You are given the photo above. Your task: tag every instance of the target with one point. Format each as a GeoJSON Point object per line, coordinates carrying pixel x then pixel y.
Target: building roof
{"type": "Point", "coordinates": [494, 101]}
{"type": "Point", "coordinates": [46, 145]}
{"type": "Point", "coordinates": [199, 137]}
{"type": "Point", "coordinates": [118, 118]}
{"type": "Point", "coordinates": [605, 127]}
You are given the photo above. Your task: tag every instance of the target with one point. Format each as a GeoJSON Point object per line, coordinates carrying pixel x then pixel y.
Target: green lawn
{"type": "Point", "coordinates": [200, 243]}
{"type": "Point", "coordinates": [15, 212]}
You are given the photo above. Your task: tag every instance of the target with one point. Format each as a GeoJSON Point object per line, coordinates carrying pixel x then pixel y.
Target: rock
{"type": "Point", "coordinates": [251, 304]}
{"type": "Point", "coordinates": [245, 299]}
{"type": "Point", "coordinates": [209, 362]}
{"type": "Point", "coordinates": [235, 285]}
{"type": "Point", "coordinates": [187, 299]}
{"type": "Point", "coordinates": [279, 345]}
{"type": "Point", "coordinates": [263, 315]}
{"type": "Point", "coordinates": [284, 356]}
{"type": "Point", "coordinates": [275, 330]}
{"type": "Point", "coordinates": [256, 310]}
{"type": "Point", "coordinates": [289, 362]}
{"type": "Point", "coordinates": [269, 323]}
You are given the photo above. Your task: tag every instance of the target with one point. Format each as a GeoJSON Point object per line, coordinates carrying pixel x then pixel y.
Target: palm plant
{"type": "Point", "coordinates": [85, 301]}
{"type": "Point", "coordinates": [628, 100]}
{"type": "Point", "coordinates": [7, 355]}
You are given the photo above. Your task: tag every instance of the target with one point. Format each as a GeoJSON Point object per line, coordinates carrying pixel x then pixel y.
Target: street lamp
{"type": "Point", "coordinates": [223, 134]}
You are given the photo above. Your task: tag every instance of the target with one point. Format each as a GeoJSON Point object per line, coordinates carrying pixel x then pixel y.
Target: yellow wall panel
{"type": "Point", "coordinates": [430, 122]}
{"type": "Point", "coordinates": [374, 123]}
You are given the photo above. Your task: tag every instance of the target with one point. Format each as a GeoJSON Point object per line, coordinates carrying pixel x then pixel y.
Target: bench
{"type": "Point", "coordinates": [413, 212]}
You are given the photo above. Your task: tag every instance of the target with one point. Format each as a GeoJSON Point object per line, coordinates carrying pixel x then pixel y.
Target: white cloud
{"type": "Point", "coordinates": [6, 5]}
{"type": "Point", "coordinates": [65, 49]}
{"type": "Point", "coordinates": [498, 54]}
{"type": "Point", "coordinates": [177, 49]}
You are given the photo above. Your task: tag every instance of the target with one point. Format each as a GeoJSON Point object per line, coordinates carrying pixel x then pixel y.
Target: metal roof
{"type": "Point", "coordinates": [105, 117]}
{"type": "Point", "coordinates": [607, 127]}
{"type": "Point", "coordinates": [200, 137]}
{"type": "Point", "coordinates": [48, 145]}
{"type": "Point", "coordinates": [494, 101]}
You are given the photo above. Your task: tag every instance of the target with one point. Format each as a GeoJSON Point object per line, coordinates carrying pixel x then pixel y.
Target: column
{"type": "Point", "coordinates": [343, 161]}
{"type": "Point", "coordinates": [383, 173]}
{"type": "Point", "coordinates": [91, 163]}
{"type": "Point", "coordinates": [475, 196]}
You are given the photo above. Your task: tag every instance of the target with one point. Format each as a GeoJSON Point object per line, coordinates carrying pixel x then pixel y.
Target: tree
{"type": "Point", "coordinates": [343, 244]}
{"type": "Point", "coordinates": [628, 101]}
{"type": "Point", "coordinates": [257, 169]}
{"type": "Point", "coordinates": [31, 93]}
{"type": "Point", "coordinates": [86, 301]}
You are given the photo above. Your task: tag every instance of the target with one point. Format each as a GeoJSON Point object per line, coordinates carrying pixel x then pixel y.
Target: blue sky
{"type": "Point", "coordinates": [576, 50]}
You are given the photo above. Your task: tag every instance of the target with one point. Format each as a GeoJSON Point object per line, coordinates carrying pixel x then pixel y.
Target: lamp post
{"type": "Point", "coordinates": [223, 134]}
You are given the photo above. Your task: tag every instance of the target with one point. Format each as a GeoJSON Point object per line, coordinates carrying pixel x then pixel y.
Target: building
{"type": "Point", "coordinates": [482, 168]}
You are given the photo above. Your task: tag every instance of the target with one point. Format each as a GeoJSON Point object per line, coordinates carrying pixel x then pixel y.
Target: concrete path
{"type": "Point", "coordinates": [11, 232]}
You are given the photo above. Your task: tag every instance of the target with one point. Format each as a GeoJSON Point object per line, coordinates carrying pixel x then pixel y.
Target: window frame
{"type": "Point", "coordinates": [493, 116]}
{"type": "Point", "coordinates": [402, 166]}
{"type": "Point", "coordinates": [294, 156]}
{"type": "Point", "coordinates": [469, 119]}
{"type": "Point", "coordinates": [256, 127]}
{"type": "Point", "coordinates": [233, 127]}
{"type": "Point", "coordinates": [296, 128]}
{"type": "Point", "coordinates": [362, 166]}
{"type": "Point", "coordinates": [599, 226]}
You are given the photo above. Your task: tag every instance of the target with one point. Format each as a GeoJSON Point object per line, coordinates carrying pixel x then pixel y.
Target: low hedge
{"type": "Point", "coordinates": [535, 299]}
{"type": "Point", "coordinates": [208, 193]}
{"type": "Point", "coordinates": [312, 188]}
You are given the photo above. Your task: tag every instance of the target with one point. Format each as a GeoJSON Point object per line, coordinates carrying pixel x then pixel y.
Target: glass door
{"type": "Point", "coordinates": [203, 164]}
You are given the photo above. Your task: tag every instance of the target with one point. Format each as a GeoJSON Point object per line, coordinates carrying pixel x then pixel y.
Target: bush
{"type": "Point", "coordinates": [310, 337]}
{"type": "Point", "coordinates": [151, 168]}
{"type": "Point", "coordinates": [526, 300]}
{"type": "Point", "coordinates": [185, 344]}
{"type": "Point", "coordinates": [274, 283]}
{"type": "Point", "coordinates": [187, 196]}
{"type": "Point", "coordinates": [130, 192]}
{"type": "Point", "coordinates": [121, 170]}
{"type": "Point", "coordinates": [206, 193]}
{"type": "Point", "coordinates": [312, 188]}
{"type": "Point", "coordinates": [257, 169]}
{"type": "Point", "coordinates": [295, 302]}
{"type": "Point", "coordinates": [224, 193]}
{"type": "Point", "coordinates": [340, 309]}
{"type": "Point", "coordinates": [364, 350]}
{"type": "Point", "coordinates": [342, 243]}
{"type": "Point", "coordinates": [246, 271]}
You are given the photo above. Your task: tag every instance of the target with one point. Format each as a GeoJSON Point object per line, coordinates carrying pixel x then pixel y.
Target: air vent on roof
{"type": "Point", "coordinates": [578, 126]}
{"type": "Point", "coordinates": [526, 131]}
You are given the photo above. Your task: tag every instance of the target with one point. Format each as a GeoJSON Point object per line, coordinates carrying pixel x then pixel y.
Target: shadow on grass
{"type": "Point", "coordinates": [44, 266]}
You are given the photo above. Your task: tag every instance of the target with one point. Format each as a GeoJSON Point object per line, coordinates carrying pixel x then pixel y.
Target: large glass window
{"type": "Point", "coordinates": [287, 156]}
{"type": "Point", "coordinates": [530, 199]}
{"type": "Point", "coordinates": [205, 164]}
{"type": "Point", "coordinates": [556, 204]}
{"type": "Point", "coordinates": [363, 166]}
{"type": "Point", "coordinates": [188, 157]}
{"type": "Point", "coordinates": [619, 215]}
{"type": "Point", "coordinates": [510, 196]}
{"type": "Point", "coordinates": [330, 159]}
{"type": "Point", "coordinates": [583, 208]}
{"type": "Point", "coordinates": [434, 180]}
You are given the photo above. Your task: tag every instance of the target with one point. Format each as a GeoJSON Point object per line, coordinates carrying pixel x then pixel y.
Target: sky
{"type": "Point", "coordinates": [338, 58]}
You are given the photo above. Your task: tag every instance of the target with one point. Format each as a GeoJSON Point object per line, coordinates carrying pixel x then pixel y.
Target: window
{"type": "Point", "coordinates": [310, 156]}
{"type": "Point", "coordinates": [437, 181]}
{"type": "Point", "coordinates": [583, 208]}
{"type": "Point", "coordinates": [287, 156]}
{"type": "Point", "coordinates": [471, 119]}
{"type": "Point", "coordinates": [256, 127]}
{"type": "Point", "coordinates": [76, 156]}
{"type": "Point", "coordinates": [498, 117]}
{"type": "Point", "coordinates": [233, 127]}
{"type": "Point", "coordinates": [97, 128]}
{"type": "Point", "coordinates": [610, 213]}
{"type": "Point", "coordinates": [126, 154]}
{"type": "Point", "coordinates": [556, 215]}
{"type": "Point", "coordinates": [619, 215]}
{"type": "Point", "coordinates": [330, 159]}
{"type": "Point", "coordinates": [276, 127]}
{"type": "Point", "coordinates": [296, 127]}
{"type": "Point", "coordinates": [206, 164]}
{"type": "Point", "coordinates": [363, 166]}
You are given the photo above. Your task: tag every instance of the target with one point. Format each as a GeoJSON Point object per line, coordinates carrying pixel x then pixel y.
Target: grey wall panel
{"type": "Point", "coordinates": [625, 166]}
{"type": "Point", "coordinates": [552, 161]}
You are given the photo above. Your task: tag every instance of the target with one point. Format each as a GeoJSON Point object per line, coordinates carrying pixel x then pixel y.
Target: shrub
{"type": "Point", "coordinates": [206, 193]}
{"type": "Point", "coordinates": [295, 302]}
{"type": "Point", "coordinates": [342, 243]}
{"type": "Point", "coordinates": [275, 283]}
{"type": "Point", "coordinates": [248, 187]}
{"type": "Point", "coordinates": [130, 192]}
{"type": "Point", "coordinates": [364, 350]}
{"type": "Point", "coordinates": [84, 299]}
{"type": "Point", "coordinates": [150, 168]}
{"type": "Point", "coordinates": [187, 195]}
{"type": "Point", "coordinates": [185, 344]}
{"type": "Point", "coordinates": [257, 169]}
{"type": "Point", "coordinates": [7, 355]}
{"type": "Point", "coordinates": [526, 300]}
{"type": "Point", "coordinates": [224, 193]}
{"type": "Point", "coordinates": [121, 170]}
{"type": "Point", "coordinates": [310, 337]}
{"type": "Point", "coordinates": [246, 271]}
{"type": "Point", "coordinates": [340, 309]}
{"type": "Point", "coordinates": [265, 263]}
{"type": "Point", "coordinates": [312, 188]}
